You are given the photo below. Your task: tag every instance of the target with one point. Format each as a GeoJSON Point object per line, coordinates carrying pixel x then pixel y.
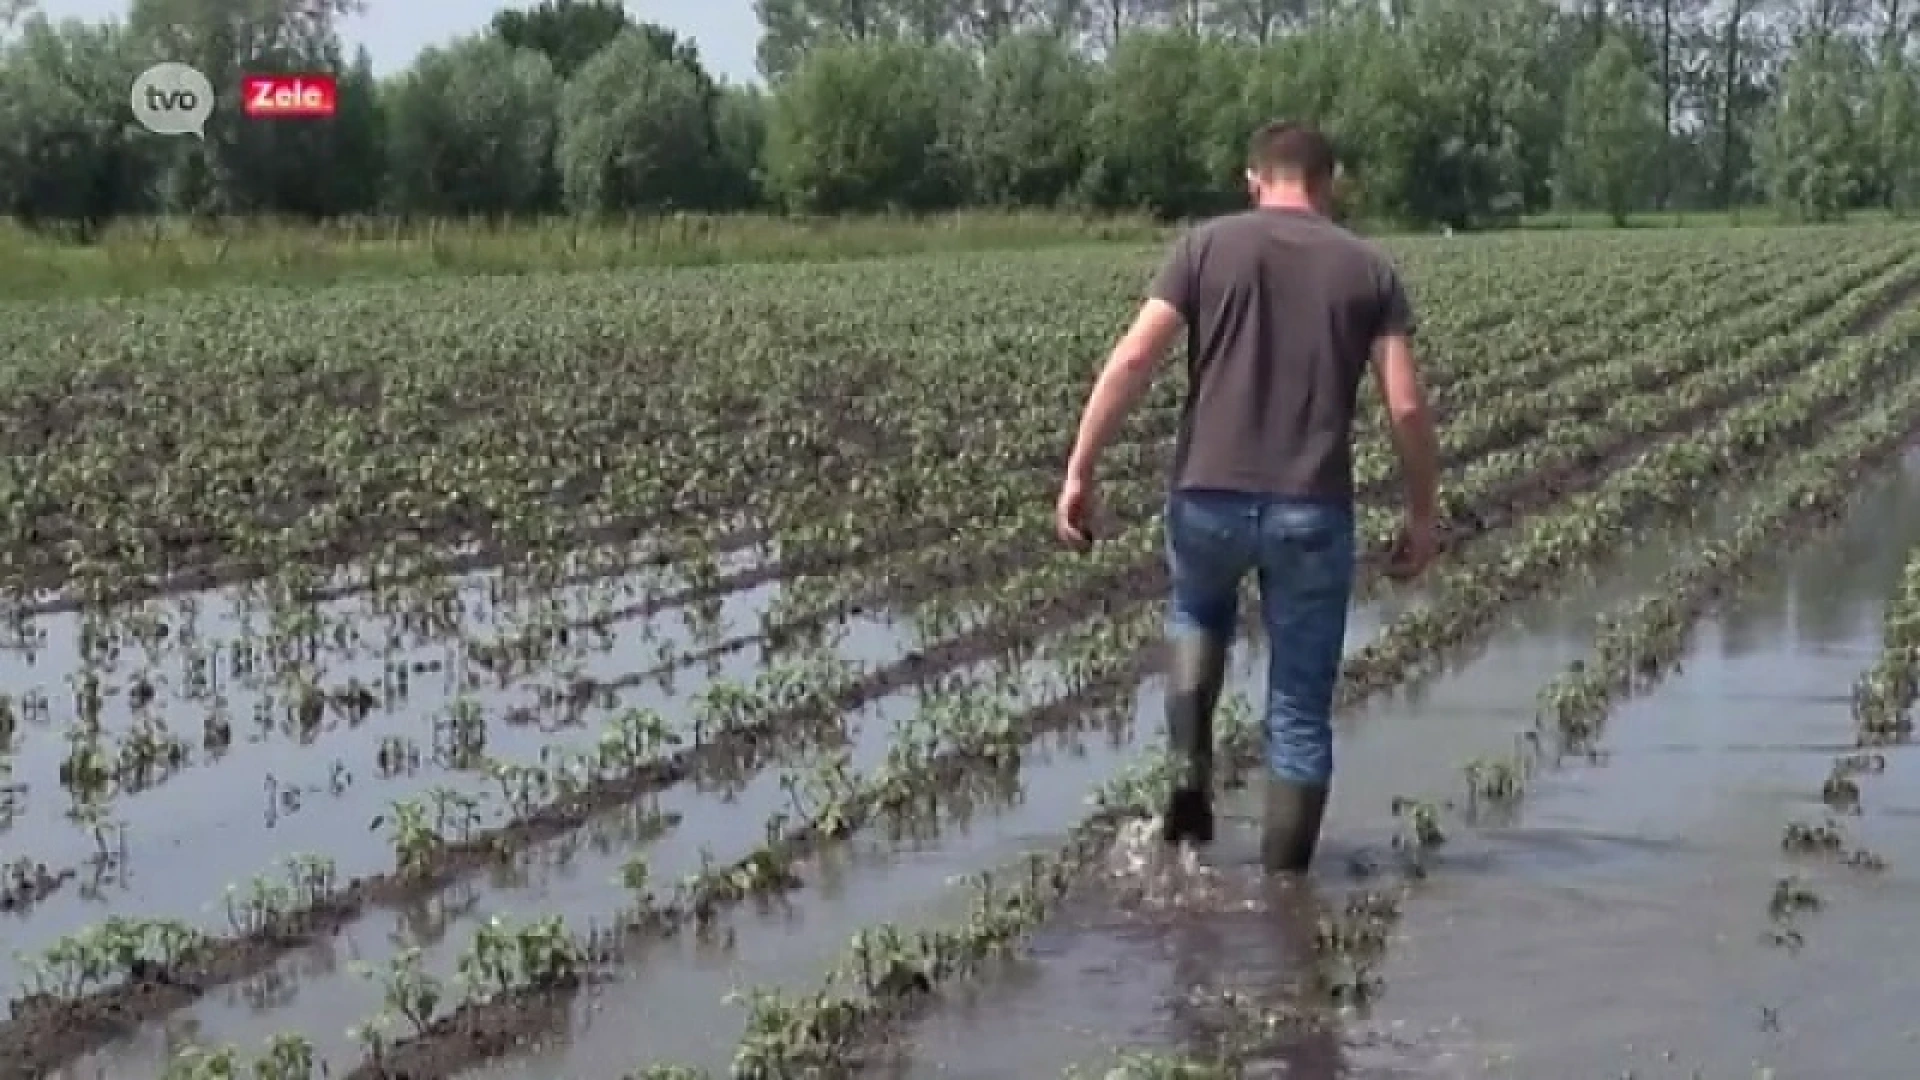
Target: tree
{"type": "Point", "coordinates": [1026, 143]}
{"type": "Point", "coordinates": [14, 12]}
{"type": "Point", "coordinates": [637, 130]}
{"type": "Point", "coordinates": [740, 124]}
{"type": "Point", "coordinates": [1483, 107]}
{"type": "Point", "coordinates": [69, 157]}
{"type": "Point", "coordinates": [1143, 126]}
{"type": "Point", "coordinates": [1613, 118]}
{"type": "Point", "coordinates": [1738, 89]}
{"type": "Point", "coordinates": [470, 129]}
{"type": "Point", "coordinates": [1808, 152]}
{"type": "Point", "coordinates": [871, 127]}
{"type": "Point", "coordinates": [567, 32]}
{"type": "Point", "coordinates": [790, 29]}
{"type": "Point", "coordinates": [1259, 21]}
{"type": "Point", "coordinates": [1894, 115]}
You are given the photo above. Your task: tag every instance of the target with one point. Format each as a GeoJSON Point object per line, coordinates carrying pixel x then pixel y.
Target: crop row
{"type": "Point", "coordinates": [419, 444]}
{"type": "Point", "coordinates": [210, 458]}
{"type": "Point", "coordinates": [1531, 357]}
{"type": "Point", "coordinates": [1883, 699]}
{"type": "Point", "coordinates": [1498, 369]}
{"type": "Point", "coordinates": [969, 569]}
{"type": "Point", "coordinates": [1772, 425]}
{"type": "Point", "coordinates": [832, 524]}
{"type": "Point", "coordinates": [998, 535]}
{"type": "Point", "coordinates": [1735, 378]}
{"type": "Point", "coordinates": [1043, 583]}
{"type": "Point", "coordinates": [942, 457]}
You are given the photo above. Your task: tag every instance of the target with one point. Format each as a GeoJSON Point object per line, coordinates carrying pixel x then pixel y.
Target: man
{"type": "Point", "coordinates": [1283, 312]}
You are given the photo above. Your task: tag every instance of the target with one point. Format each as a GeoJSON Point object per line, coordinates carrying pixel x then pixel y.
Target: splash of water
{"type": "Point", "coordinates": [1157, 876]}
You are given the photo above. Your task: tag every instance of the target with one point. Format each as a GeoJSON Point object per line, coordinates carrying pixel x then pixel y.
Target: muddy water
{"type": "Point", "coordinates": [275, 792]}
{"type": "Point", "coordinates": [1614, 928]}
{"type": "Point", "coordinates": [1111, 972]}
{"type": "Point", "coordinates": [1617, 924]}
{"type": "Point", "coordinates": [877, 879]}
{"type": "Point", "coordinates": [680, 996]}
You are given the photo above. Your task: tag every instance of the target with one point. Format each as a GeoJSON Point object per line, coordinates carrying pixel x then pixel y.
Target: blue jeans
{"type": "Point", "coordinates": [1304, 554]}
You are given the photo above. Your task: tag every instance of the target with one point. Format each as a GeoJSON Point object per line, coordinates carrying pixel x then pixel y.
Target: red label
{"type": "Point", "coordinates": [271, 96]}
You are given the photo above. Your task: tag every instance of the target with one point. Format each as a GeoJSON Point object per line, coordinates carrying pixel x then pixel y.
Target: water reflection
{"type": "Point", "coordinates": [1265, 951]}
{"type": "Point", "coordinates": [1839, 583]}
{"type": "Point", "coordinates": [1642, 944]}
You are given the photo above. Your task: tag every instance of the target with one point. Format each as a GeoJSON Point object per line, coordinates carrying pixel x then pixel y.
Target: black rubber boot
{"type": "Point", "coordinates": [1291, 830]}
{"type": "Point", "coordinates": [1196, 672]}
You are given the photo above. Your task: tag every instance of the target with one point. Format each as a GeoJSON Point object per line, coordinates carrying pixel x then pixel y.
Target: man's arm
{"type": "Point", "coordinates": [1408, 415]}
{"type": "Point", "coordinates": [1123, 381]}
{"type": "Point", "coordinates": [1411, 421]}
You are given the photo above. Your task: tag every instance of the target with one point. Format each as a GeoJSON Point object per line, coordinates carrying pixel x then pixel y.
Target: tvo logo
{"type": "Point", "coordinates": [176, 99]}
{"type": "Point", "coordinates": [172, 99]}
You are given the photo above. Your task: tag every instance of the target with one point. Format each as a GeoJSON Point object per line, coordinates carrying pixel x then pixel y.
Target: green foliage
{"type": "Point", "coordinates": [870, 128]}
{"type": "Point", "coordinates": [638, 131]}
{"type": "Point", "coordinates": [62, 157]}
{"type": "Point", "coordinates": [1808, 156]}
{"type": "Point", "coordinates": [1894, 136]}
{"type": "Point", "coordinates": [1463, 113]}
{"type": "Point", "coordinates": [567, 32]}
{"type": "Point", "coordinates": [1612, 118]}
{"type": "Point", "coordinates": [1026, 136]}
{"type": "Point", "coordinates": [471, 129]}
{"type": "Point", "coordinates": [1145, 121]}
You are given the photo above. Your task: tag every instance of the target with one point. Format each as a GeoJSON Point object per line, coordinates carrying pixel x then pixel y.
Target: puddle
{"type": "Point", "coordinates": [1617, 927]}
{"type": "Point", "coordinates": [277, 790]}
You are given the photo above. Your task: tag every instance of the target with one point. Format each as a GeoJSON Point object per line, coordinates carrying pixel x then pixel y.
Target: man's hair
{"type": "Point", "coordinates": [1294, 150]}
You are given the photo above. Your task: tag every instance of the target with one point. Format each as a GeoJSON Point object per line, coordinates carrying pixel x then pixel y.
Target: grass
{"type": "Point", "coordinates": [142, 255]}
{"type": "Point", "coordinates": [137, 256]}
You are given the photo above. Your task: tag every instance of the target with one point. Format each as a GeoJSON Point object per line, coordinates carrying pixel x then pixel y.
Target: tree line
{"type": "Point", "coordinates": [1462, 113]}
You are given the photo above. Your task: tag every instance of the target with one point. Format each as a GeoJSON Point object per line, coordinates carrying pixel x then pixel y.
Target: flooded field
{"type": "Point", "coordinates": [755, 728]}
{"type": "Point", "coordinates": [1625, 922]}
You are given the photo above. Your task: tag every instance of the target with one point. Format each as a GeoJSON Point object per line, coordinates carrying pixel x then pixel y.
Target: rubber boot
{"type": "Point", "coordinates": [1291, 830]}
{"type": "Point", "coordinates": [1196, 672]}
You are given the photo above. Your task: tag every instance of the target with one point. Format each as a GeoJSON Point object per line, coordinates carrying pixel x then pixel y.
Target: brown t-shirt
{"type": "Point", "coordinates": [1282, 310]}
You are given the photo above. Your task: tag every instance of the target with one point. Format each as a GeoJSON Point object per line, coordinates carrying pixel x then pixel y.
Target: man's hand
{"type": "Point", "coordinates": [1122, 381]}
{"type": "Point", "coordinates": [1073, 515]}
{"type": "Point", "coordinates": [1414, 549]}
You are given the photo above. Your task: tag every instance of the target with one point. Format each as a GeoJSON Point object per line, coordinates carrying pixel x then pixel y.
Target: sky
{"type": "Point", "coordinates": [395, 31]}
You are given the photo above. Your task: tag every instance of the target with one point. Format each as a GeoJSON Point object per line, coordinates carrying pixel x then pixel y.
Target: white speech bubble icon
{"type": "Point", "coordinates": [172, 99]}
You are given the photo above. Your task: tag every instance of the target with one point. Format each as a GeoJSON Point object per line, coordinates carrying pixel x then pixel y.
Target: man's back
{"type": "Point", "coordinates": [1282, 309]}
